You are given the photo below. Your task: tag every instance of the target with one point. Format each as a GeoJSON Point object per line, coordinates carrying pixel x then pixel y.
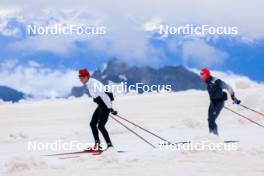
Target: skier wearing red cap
{"type": "Point", "coordinates": [217, 96]}
{"type": "Point", "coordinates": [104, 101]}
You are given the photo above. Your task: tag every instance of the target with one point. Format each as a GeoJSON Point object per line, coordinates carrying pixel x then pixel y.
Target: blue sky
{"type": "Point", "coordinates": [245, 58]}
{"type": "Point", "coordinates": [129, 37]}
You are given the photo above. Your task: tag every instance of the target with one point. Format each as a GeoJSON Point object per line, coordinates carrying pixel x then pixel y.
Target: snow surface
{"type": "Point", "coordinates": [177, 116]}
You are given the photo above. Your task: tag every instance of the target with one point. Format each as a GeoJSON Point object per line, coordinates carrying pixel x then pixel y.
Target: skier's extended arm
{"type": "Point", "coordinates": [228, 88]}
{"type": "Point", "coordinates": [231, 92]}
{"type": "Point", "coordinates": [108, 102]}
{"type": "Point", "coordinates": [106, 99]}
{"type": "Point", "coordinates": [96, 89]}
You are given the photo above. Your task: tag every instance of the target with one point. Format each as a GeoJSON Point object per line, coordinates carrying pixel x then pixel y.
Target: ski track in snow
{"type": "Point", "coordinates": [177, 116]}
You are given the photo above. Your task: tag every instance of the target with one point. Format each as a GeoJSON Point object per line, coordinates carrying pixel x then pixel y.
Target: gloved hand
{"type": "Point", "coordinates": [113, 111]}
{"type": "Point", "coordinates": [96, 100]}
{"type": "Point", "coordinates": [235, 100]}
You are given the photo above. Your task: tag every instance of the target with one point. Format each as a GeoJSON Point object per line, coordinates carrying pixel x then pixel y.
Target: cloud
{"type": "Point", "coordinates": [173, 12]}
{"type": "Point", "coordinates": [123, 38]}
{"type": "Point", "coordinates": [153, 25]}
{"type": "Point", "coordinates": [201, 54]}
{"type": "Point", "coordinates": [34, 79]}
{"type": "Point", "coordinates": [129, 25]}
{"type": "Point", "coordinates": [7, 17]}
{"type": "Point", "coordinates": [59, 44]}
{"type": "Point", "coordinates": [235, 80]}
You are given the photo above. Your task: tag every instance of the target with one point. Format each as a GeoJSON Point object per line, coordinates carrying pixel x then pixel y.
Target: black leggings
{"type": "Point", "coordinates": [213, 112]}
{"type": "Point", "coordinates": [100, 117]}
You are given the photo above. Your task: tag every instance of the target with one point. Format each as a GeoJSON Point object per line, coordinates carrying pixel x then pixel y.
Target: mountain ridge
{"type": "Point", "coordinates": [10, 94]}
{"type": "Point", "coordinates": [117, 71]}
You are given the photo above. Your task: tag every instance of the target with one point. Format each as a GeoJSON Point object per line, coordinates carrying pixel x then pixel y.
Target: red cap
{"type": "Point", "coordinates": [205, 74]}
{"type": "Point", "coordinates": [84, 72]}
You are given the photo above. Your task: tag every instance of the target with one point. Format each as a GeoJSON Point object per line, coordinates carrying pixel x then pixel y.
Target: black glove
{"type": "Point", "coordinates": [113, 111]}
{"type": "Point", "coordinates": [235, 100]}
{"type": "Point", "coordinates": [97, 100]}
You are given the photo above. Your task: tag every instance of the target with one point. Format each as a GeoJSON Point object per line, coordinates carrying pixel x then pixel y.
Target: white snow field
{"type": "Point", "coordinates": [177, 116]}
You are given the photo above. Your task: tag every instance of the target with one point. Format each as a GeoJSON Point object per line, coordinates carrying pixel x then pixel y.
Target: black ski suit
{"type": "Point", "coordinates": [100, 117]}
{"type": "Point", "coordinates": [217, 99]}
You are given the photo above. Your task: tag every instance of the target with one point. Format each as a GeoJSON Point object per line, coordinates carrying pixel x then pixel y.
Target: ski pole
{"type": "Point", "coordinates": [133, 132]}
{"type": "Point", "coordinates": [244, 117]}
{"type": "Point", "coordinates": [144, 129]}
{"type": "Point", "coordinates": [251, 109]}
